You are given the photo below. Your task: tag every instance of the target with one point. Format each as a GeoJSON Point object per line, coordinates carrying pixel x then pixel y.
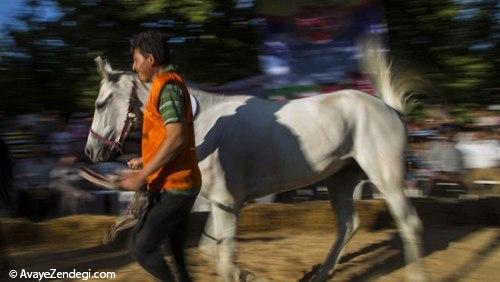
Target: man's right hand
{"type": "Point", "coordinates": [135, 163]}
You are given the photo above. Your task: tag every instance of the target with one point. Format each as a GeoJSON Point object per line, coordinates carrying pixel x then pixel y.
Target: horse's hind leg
{"type": "Point", "coordinates": [340, 189]}
{"type": "Point", "coordinates": [388, 177]}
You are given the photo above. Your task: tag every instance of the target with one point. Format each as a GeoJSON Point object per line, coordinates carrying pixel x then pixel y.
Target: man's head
{"type": "Point", "coordinates": [150, 52]}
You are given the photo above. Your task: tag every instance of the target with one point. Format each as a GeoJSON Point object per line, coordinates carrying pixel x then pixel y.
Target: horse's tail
{"type": "Point", "coordinates": [394, 91]}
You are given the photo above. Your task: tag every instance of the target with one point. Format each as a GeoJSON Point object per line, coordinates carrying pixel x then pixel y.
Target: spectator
{"type": "Point", "coordinates": [482, 151]}
{"type": "Point", "coordinates": [6, 189]}
{"type": "Point", "coordinates": [446, 161]}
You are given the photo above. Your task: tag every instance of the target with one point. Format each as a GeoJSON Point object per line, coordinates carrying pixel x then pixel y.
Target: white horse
{"type": "Point", "coordinates": [250, 147]}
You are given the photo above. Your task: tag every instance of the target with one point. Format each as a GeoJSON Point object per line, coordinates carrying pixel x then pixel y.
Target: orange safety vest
{"type": "Point", "coordinates": [182, 172]}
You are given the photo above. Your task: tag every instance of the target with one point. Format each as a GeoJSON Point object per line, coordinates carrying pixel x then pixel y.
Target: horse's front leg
{"type": "Point", "coordinates": [208, 243]}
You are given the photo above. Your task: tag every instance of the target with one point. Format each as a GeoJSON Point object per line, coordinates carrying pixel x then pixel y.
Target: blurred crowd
{"type": "Point", "coordinates": [38, 143]}
{"type": "Point", "coordinates": [444, 157]}
{"type": "Point", "coordinates": [45, 152]}
{"type": "Point", "coordinates": [47, 149]}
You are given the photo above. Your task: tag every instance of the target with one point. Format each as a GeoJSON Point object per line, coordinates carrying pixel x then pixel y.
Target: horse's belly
{"type": "Point", "coordinates": [291, 177]}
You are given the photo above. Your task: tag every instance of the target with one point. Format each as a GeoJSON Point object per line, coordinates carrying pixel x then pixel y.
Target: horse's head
{"type": "Point", "coordinates": [117, 110]}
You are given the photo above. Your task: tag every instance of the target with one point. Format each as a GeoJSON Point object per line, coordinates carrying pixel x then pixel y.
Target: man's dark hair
{"type": "Point", "coordinates": [154, 43]}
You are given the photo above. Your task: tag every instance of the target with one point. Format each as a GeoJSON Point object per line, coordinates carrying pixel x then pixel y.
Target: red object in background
{"type": "Point", "coordinates": [330, 88]}
{"type": "Point", "coordinates": [365, 85]}
{"type": "Point", "coordinates": [357, 81]}
{"type": "Point", "coordinates": [362, 83]}
{"type": "Point", "coordinates": [319, 24]}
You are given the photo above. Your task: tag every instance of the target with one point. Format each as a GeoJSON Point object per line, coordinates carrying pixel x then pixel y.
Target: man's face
{"type": "Point", "coordinates": [143, 66]}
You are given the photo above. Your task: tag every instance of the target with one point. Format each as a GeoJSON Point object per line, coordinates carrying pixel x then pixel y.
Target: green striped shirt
{"type": "Point", "coordinates": [171, 105]}
{"type": "Point", "coordinates": [171, 108]}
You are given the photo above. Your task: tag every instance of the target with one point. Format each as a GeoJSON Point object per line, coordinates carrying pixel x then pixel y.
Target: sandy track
{"type": "Point", "coordinates": [452, 254]}
{"type": "Point", "coordinates": [281, 251]}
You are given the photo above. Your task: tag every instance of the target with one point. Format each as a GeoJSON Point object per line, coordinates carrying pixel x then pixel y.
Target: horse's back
{"type": "Point", "coordinates": [286, 145]}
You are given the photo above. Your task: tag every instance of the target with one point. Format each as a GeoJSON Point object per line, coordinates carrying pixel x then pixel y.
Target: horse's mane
{"type": "Point", "coordinates": [200, 91]}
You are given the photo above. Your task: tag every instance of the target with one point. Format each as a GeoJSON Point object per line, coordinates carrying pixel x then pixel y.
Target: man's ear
{"type": "Point", "coordinates": [151, 59]}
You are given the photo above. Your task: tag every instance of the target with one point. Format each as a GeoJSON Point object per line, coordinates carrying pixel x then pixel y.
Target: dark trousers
{"type": "Point", "coordinates": [164, 222]}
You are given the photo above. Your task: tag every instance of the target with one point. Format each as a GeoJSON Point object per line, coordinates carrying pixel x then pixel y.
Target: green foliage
{"type": "Point", "coordinates": [453, 43]}
{"type": "Point", "coordinates": [56, 69]}
{"type": "Point", "coordinates": [50, 63]}
{"type": "Point", "coordinates": [193, 10]}
{"type": "Point", "coordinates": [415, 110]}
{"type": "Point", "coordinates": [463, 113]}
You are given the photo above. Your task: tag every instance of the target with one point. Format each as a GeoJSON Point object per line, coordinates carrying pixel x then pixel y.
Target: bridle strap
{"type": "Point", "coordinates": [102, 139]}
{"type": "Point", "coordinates": [130, 121]}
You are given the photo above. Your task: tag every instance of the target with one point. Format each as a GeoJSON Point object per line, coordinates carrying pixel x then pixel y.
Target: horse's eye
{"type": "Point", "coordinates": [101, 104]}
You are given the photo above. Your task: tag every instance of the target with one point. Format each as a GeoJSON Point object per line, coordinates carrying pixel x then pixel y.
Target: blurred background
{"type": "Point", "coordinates": [277, 50]}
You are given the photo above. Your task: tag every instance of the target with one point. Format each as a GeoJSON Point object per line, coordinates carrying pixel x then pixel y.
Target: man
{"type": "Point", "coordinates": [446, 162]}
{"type": "Point", "coordinates": [6, 190]}
{"type": "Point", "coordinates": [168, 165]}
{"type": "Point", "coordinates": [6, 201]}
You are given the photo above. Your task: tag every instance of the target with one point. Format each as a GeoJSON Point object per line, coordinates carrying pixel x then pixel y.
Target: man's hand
{"type": "Point", "coordinates": [133, 181]}
{"type": "Point", "coordinates": [135, 163]}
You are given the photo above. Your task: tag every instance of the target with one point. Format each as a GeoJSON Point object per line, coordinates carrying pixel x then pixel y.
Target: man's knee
{"type": "Point", "coordinates": [135, 252]}
{"type": "Point", "coordinates": [139, 251]}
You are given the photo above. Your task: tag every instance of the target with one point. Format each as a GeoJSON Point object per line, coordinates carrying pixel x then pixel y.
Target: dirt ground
{"type": "Point", "coordinates": [452, 253]}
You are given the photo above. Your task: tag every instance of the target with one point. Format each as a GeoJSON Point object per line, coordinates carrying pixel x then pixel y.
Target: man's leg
{"type": "Point", "coordinates": [156, 226]}
{"type": "Point", "coordinates": [178, 240]}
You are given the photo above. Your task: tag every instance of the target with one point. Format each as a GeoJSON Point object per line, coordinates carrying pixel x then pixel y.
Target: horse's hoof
{"type": "Point", "coordinates": [417, 278]}
{"type": "Point", "coordinates": [246, 276]}
{"type": "Point", "coordinates": [208, 251]}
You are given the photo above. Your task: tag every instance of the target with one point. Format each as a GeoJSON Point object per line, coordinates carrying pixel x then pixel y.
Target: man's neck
{"type": "Point", "coordinates": [162, 69]}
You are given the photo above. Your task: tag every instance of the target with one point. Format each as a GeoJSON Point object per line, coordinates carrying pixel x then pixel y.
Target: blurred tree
{"type": "Point", "coordinates": [453, 42]}
{"type": "Point", "coordinates": [193, 10]}
{"type": "Point", "coordinates": [51, 62]}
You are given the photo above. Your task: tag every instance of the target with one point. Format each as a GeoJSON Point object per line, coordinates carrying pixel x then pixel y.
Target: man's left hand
{"type": "Point", "coordinates": [134, 181]}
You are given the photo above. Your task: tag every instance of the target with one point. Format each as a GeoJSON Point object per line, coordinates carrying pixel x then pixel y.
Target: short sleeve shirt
{"type": "Point", "coordinates": [171, 104]}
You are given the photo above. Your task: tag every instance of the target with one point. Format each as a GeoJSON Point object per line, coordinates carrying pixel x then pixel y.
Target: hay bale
{"type": "Point", "coordinates": [310, 216]}
{"type": "Point", "coordinates": [77, 230]}
{"type": "Point", "coordinates": [273, 217]}
{"type": "Point", "coordinates": [81, 231]}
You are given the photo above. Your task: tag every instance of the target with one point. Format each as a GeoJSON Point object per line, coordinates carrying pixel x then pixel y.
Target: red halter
{"type": "Point", "coordinates": [130, 121]}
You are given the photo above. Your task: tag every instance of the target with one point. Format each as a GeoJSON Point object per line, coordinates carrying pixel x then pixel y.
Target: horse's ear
{"type": "Point", "coordinates": [103, 67]}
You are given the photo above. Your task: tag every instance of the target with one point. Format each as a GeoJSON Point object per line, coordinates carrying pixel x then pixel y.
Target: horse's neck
{"type": "Point", "coordinates": [143, 94]}
{"type": "Point", "coordinates": [142, 89]}
{"type": "Point", "coordinates": [204, 99]}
